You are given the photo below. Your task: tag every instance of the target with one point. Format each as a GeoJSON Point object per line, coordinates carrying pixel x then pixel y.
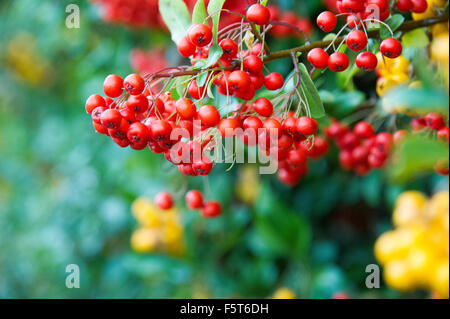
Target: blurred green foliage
{"type": "Point", "coordinates": [65, 192]}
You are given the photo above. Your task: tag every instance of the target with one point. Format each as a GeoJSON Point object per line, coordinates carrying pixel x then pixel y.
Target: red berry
{"type": "Point", "coordinates": [186, 109]}
{"type": "Point", "coordinates": [258, 14]}
{"type": "Point", "coordinates": [442, 134]}
{"type": "Point", "coordinates": [263, 107]}
{"type": "Point", "coordinates": [229, 48]}
{"type": "Point", "coordinates": [346, 159]}
{"type": "Point", "coordinates": [434, 121]}
{"type": "Point", "coordinates": [160, 130]}
{"type": "Point", "coordinates": [209, 116]}
{"type": "Point", "coordinates": [297, 157]}
{"type": "Point", "coordinates": [289, 125]}
{"type": "Point", "coordinates": [391, 48]}
{"type": "Point", "coordinates": [202, 166]}
{"type": "Point", "coordinates": [111, 118]}
{"type": "Point", "coordinates": [356, 40]}
{"type": "Point", "coordinates": [327, 21]}
{"type": "Point", "coordinates": [134, 84]}
{"type": "Point", "coordinates": [319, 58]}
{"type": "Point", "coordinates": [138, 133]}
{"type": "Point", "coordinates": [353, 5]}
{"type": "Point", "coordinates": [418, 124]}
{"type": "Point", "coordinates": [120, 132]}
{"type": "Point", "coordinates": [194, 199]}
{"type": "Point", "coordinates": [211, 209]}
{"type": "Point", "coordinates": [353, 21]}
{"type": "Point", "coordinates": [307, 126]}
{"type": "Point", "coordinates": [399, 136]}
{"type": "Point", "coordinates": [253, 64]}
{"type": "Point", "coordinates": [96, 113]}
{"type": "Point", "coordinates": [274, 81]}
{"type": "Point", "coordinates": [239, 81]}
{"type": "Point", "coordinates": [100, 128]}
{"type": "Point", "coordinates": [404, 5]}
{"type": "Point", "coordinates": [200, 35]}
{"type": "Point", "coordinates": [366, 61]}
{"type": "Point", "coordinates": [364, 130]}
{"type": "Point", "coordinates": [338, 62]}
{"type": "Point", "coordinates": [93, 102]}
{"type": "Point", "coordinates": [252, 123]}
{"type": "Point", "coordinates": [186, 47]}
{"type": "Point", "coordinates": [195, 91]}
{"type": "Point", "coordinates": [113, 85]}
{"type": "Point", "coordinates": [382, 5]}
{"type": "Point", "coordinates": [419, 6]}
{"type": "Point", "coordinates": [164, 200]}
{"type": "Point", "coordinates": [228, 126]}
{"type": "Point", "coordinates": [137, 103]}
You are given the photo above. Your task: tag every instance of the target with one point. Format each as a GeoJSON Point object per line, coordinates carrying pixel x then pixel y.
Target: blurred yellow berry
{"type": "Point", "coordinates": [284, 293]}
{"type": "Point", "coordinates": [144, 240]}
{"type": "Point", "coordinates": [384, 85]}
{"type": "Point", "coordinates": [408, 208]}
{"type": "Point", "coordinates": [397, 276]}
{"type": "Point", "coordinates": [439, 279]}
{"type": "Point", "coordinates": [440, 48]}
{"type": "Point", "coordinates": [420, 264]}
{"type": "Point", "coordinates": [438, 29]}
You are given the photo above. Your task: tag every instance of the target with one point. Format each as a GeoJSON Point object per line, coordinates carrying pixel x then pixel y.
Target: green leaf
{"type": "Point", "coordinates": [201, 79]}
{"type": "Point", "coordinates": [312, 95]}
{"type": "Point", "coordinates": [176, 16]}
{"type": "Point", "coordinates": [415, 39]}
{"type": "Point", "coordinates": [394, 23]}
{"type": "Point", "coordinates": [415, 101]}
{"type": "Point", "coordinates": [415, 156]}
{"type": "Point", "coordinates": [214, 9]}
{"type": "Point", "coordinates": [213, 56]}
{"type": "Point", "coordinates": [199, 14]}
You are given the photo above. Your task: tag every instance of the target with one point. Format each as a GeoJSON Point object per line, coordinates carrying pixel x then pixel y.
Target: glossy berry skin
{"type": "Point", "coordinates": [327, 21]}
{"type": "Point", "coordinates": [194, 199]}
{"type": "Point", "coordinates": [356, 40]}
{"type": "Point", "coordinates": [160, 130]}
{"type": "Point", "coordinates": [113, 85]}
{"type": "Point", "coordinates": [443, 134]}
{"type": "Point", "coordinates": [195, 91]}
{"type": "Point", "coordinates": [353, 5]}
{"type": "Point", "coordinates": [307, 126]}
{"type": "Point", "coordinates": [391, 48]}
{"type": "Point", "coordinates": [435, 121]}
{"type": "Point", "coordinates": [137, 103]}
{"type": "Point", "coordinates": [96, 114]}
{"type": "Point", "coordinates": [208, 115]}
{"type": "Point", "coordinates": [258, 14]}
{"type": "Point", "coordinates": [229, 48]}
{"type": "Point", "coordinates": [134, 84]}
{"type": "Point", "coordinates": [211, 209]}
{"type": "Point", "coordinates": [364, 130]}
{"type": "Point", "coordinates": [185, 47]}
{"type": "Point", "coordinates": [200, 35]}
{"type": "Point", "coordinates": [263, 107]}
{"type": "Point", "coordinates": [111, 118]}
{"type": "Point", "coordinates": [273, 81]}
{"type": "Point", "coordinates": [253, 64]}
{"type": "Point", "coordinates": [338, 62]}
{"type": "Point", "coordinates": [239, 81]}
{"type": "Point", "coordinates": [382, 5]}
{"type": "Point", "coordinates": [202, 166]}
{"type": "Point", "coordinates": [252, 123]}
{"type": "Point", "coordinates": [366, 61]}
{"type": "Point", "coordinates": [164, 200]}
{"type": "Point", "coordinates": [138, 133]}
{"type": "Point", "coordinates": [228, 126]}
{"type": "Point", "coordinates": [399, 136]}
{"type": "Point", "coordinates": [404, 5]}
{"type": "Point", "coordinates": [93, 102]}
{"type": "Point", "coordinates": [419, 6]}
{"type": "Point", "coordinates": [318, 58]}
{"type": "Point", "coordinates": [186, 109]}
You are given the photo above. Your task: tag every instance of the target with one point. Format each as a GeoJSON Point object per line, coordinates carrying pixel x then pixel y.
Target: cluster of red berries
{"type": "Point", "coordinates": [363, 9]}
{"type": "Point", "coordinates": [194, 201]}
{"type": "Point", "coordinates": [356, 40]}
{"type": "Point", "coordinates": [290, 18]}
{"type": "Point", "coordinates": [361, 149]}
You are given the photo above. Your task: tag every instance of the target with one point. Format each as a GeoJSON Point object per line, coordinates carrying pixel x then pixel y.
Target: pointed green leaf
{"type": "Point", "coordinates": [214, 9]}
{"type": "Point", "coordinates": [415, 39]}
{"type": "Point", "coordinates": [394, 23]}
{"type": "Point", "coordinates": [199, 14]}
{"type": "Point", "coordinates": [176, 16]}
{"type": "Point", "coordinates": [312, 95]}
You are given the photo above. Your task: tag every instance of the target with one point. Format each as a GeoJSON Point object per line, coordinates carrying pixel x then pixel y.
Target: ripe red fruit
{"type": "Point", "coordinates": [239, 81]}
{"type": "Point", "coordinates": [274, 81]}
{"type": "Point", "coordinates": [200, 35]}
{"type": "Point", "coordinates": [112, 86]}
{"type": "Point", "coordinates": [346, 159]}
{"type": "Point", "coordinates": [164, 200]}
{"type": "Point", "coordinates": [272, 126]}
{"type": "Point", "coordinates": [252, 123]}
{"type": "Point", "coordinates": [434, 121]}
{"type": "Point", "coordinates": [229, 48]}
{"type": "Point", "coordinates": [364, 130]}
{"type": "Point", "coordinates": [186, 47]}
{"type": "Point", "coordinates": [356, 40]}
{"type": "Point", "coordinates": [120, 132]}
{"type": "Point", "coordinates": [297, 157]}
{"type": "Point", "coordinates": [111, 118]}
{"type": "Point", "coordinates": [338, 62]}
{"type": "Point", "coordinates": [137, 103]}
{"type": "Point", "coordinates": [93, 102]}
{"type": "Point", "coordinates": [383, 142]}
{"type": "Point", "coordinates": [160, 130]}
{"type": "Point", "coordinates": [194, 199]}
{"type": "Point", "coordinates": [442, 134]}
{"type": "Point", "coordinates": [186, 109]}
{"type": "Point", "coordinates": [202, 166]}
{"type": "Point", "coordinates": [382, 5]}
{"type": "Point", "coordinates": [228, 126]}
{"type": "Point", "coordinates": [418, 124]}
{"type": "Point", "coordinates": [258, 14]}
{"type": "Point", "coordinates": [353, 5]}
{"type": "Point", "coordinates": [253, 64]}
{"type": "Point", "coordinates": [353, 21]}
{"type": "Point", "coordinates": [404, 5]}
{"type": "Point", "coordinates": [96, 113]}
{"type": "Point", "coordinates": [399, 136]}
{"type": "Point", "coordinates": [138, 133]}
{"type": "Point", "coordinates": [419, 6]}
{"type": "Point", "coordinates": [307, 126]}
{"type": "Point", "coordinates": [100, 128]}
{"type": "Point", "coordinates": [263, 107]}
{"type": "Point", "coordinates": [208, 115]}
{"type": "Point", "coordinates": [366, 61]}
{"type": "Point", "coordinates": [327, 21]}
{"type": "Point", "coordinates": [391, 48]}
{"type": "Point", "coordinates": [134, 84]}
{"type": "Point", "coordinates": [211, 209]}
{"type": "Point", "coordinates": [195, 91]}
{"type": "Point", "coordinates": [319, 58]}
{"type": "Point", "coordinates": [289, 125]}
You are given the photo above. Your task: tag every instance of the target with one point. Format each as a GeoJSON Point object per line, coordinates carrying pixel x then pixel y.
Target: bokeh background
{"type": "Point", "coordinates": [68, 195]}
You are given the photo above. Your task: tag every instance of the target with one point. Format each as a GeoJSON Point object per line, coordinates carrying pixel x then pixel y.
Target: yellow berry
{"type": "Point", "coordinates": [439, 279]}
{"type": "Point", "coordinates": [284, 293]}
{"type": "Point", "coordinates": [440, 48]}
{"type": "Point", "coordinates": [144, 240]}
{"type": "Point", "coordinates": [397, 276]}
